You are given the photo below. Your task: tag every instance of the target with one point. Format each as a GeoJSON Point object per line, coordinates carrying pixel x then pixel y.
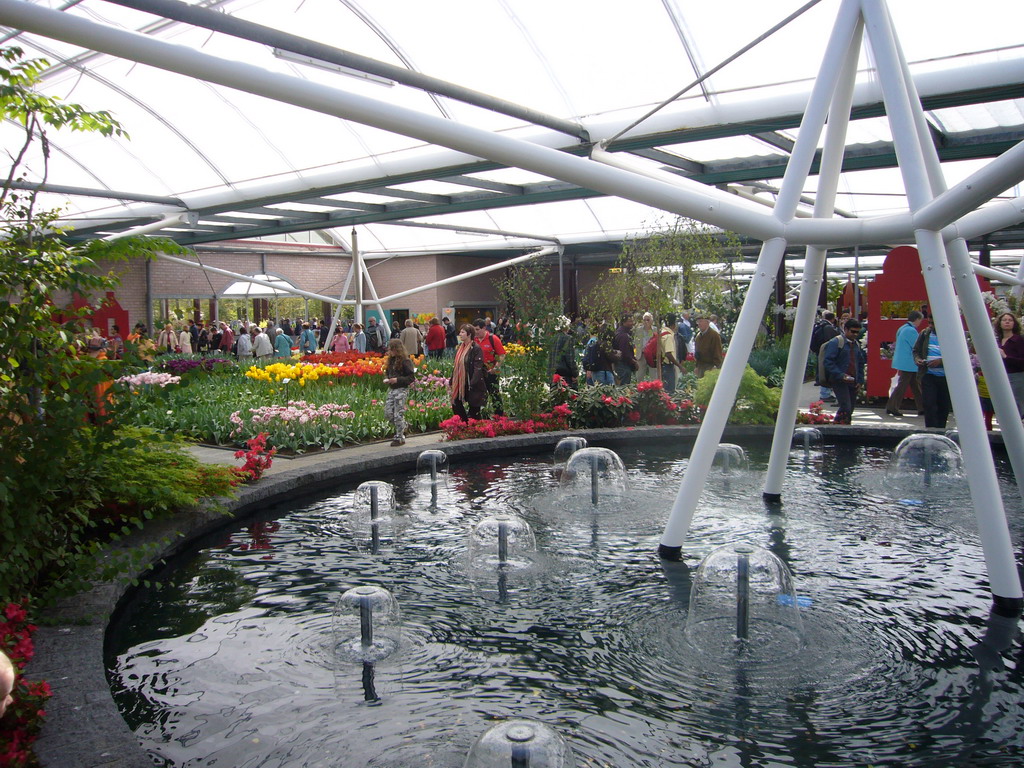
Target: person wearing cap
{"type": "Point", "coordinates": [707, 347]}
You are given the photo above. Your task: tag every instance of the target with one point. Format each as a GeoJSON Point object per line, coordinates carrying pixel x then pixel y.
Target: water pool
{"type": "Point", "coordinates": [229, 659]}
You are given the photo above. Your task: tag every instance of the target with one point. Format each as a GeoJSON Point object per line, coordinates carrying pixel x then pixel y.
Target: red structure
{"type": "Point", "coordinates": [898, 289]}
{"type": "Point", "coordinates": [108, 314]}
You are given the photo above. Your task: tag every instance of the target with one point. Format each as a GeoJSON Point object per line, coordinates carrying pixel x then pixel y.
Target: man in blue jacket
{"type": "Point", "coordinates": [844, 368]}
{"type": "Point", "coordinates": [903, 363]}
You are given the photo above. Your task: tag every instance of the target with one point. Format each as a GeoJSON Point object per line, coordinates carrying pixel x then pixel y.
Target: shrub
{"type": "Point", "coordinates": [756, 403]}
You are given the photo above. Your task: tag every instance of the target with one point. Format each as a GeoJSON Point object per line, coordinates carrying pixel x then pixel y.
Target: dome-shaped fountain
{"type": "Point", "coordinates": [374, 502]}
{"type": "Point", "coordinates": [925, 459]}
{"type": "Point", "coordinates": [729, 458]}
{"type": "Point", "coordinates": [743, 600]}
{"type": "Point", "coordinates": [501, 541]}
{"type": "Point", "coordinates": [566, 447]}
{"type": "Point", "coordinates": [594, 474]}
{"type": "Point", "coordinates": [520, 743]}
{"type": "Point", "coordinates": [367, 625]}
{"type": "Point", "coordinates": [807, 438]}
{"type": "Point", "coordinates": [432, 468]}
{"type": "Point", "coordinates": [373, 514]}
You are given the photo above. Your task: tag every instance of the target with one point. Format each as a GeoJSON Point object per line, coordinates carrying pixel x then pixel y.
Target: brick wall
{"type": "Point", "coordinates": [324, 274]}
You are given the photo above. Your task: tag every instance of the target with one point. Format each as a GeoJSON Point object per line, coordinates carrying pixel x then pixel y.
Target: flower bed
{"type": "Point", "coordinates": [296, 425]}
{"type": "Point", "coordinates": [457, 429]}
{"type": "Point", "coordinates": [180, 366]}
{"type": "Point", "coordinates": [816, 414]}
{"type": "Point", "coordinates": [20, 725]}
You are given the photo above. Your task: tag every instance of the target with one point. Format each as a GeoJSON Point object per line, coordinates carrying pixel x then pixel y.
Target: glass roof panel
{"type": "Point", "coordinates": [605, 64]}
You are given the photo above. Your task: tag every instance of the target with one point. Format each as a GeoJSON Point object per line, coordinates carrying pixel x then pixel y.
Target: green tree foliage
{"type": "Point", "coordinates": [525, 290]}
{"type": "Point", "coordinates": [54, 418]}
{"type": "Point", "coordinates": [659, 273]}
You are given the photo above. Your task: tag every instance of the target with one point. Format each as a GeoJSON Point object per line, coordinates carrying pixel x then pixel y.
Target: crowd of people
{"type": "Point", "coordinates": [245, 340]}
{"type": "Point", "coordinates": [627, 352]}
{"type": "Point", "coordinates": [610, 356]}
{"type": "Point", "coordinates": [917, 365]}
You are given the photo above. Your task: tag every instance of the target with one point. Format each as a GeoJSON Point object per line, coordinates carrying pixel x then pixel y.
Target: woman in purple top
{"type": "Point", "coordinates": [1011, 349]}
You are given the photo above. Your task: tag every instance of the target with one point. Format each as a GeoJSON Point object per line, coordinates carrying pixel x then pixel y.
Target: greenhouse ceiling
{"type": "Point", "coordinates": [207, 162]}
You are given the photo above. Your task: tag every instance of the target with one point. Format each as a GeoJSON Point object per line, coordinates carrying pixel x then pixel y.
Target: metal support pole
{"type": "Point", "coordinates": [502, 542]}
{"type": "Point", "coordinates": [337, 313]}
{"type": "Point", "coordinates": [988, 504]}
{"type": "Point", "coordinates": [594, 480]}
{"type": "Point", "coordinates": [365, 622]}
{"type": "Point", "coordinates": [969, 294]}
{"type": "Point", "coordinates": [376, 299]}
{"type": "Point", "coordinates": [813, 280]}
{"type": "Point", "coordinates": [709, 435]}
{"type": "Point", "coordinates": [856, 282]}
{"type": "Point", "coordinates": [149, 296]}
{"type": "Point", "coordinates": [742, 592]}
{"type": "Point", "coordinates": [373, 502]}
{"type": "Point", "coordinates": [357, 267]}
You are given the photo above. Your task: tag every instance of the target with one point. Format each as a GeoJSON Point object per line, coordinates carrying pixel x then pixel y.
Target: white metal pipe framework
{"type": "Point", "coordinates": [971, 302]}
{"type": "Point", "coordinates": [776, 230]}
{"type": "Point", "coordinates": [724, 395]}
{"type": "Point", "coordinates": [474, 273]}
{"type": "Point", "coordinates": [814, 268]}
{"type": "Point", "coordinates": [707, 205]}
{"type": "Point", "coordinates": [1004, 581]}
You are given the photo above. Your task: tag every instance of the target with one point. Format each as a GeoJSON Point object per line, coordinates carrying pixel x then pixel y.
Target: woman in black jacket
{"type": "Point", "coordinates": [467, 385]}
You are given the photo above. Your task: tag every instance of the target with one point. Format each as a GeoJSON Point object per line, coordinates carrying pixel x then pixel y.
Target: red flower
{"type": "Point", "coordinates": [14, 612]}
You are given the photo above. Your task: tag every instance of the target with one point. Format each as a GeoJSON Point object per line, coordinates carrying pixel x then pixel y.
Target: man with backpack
{"type": "Point", "coordinates": [494, 356]}
{"type": "Point", "coordinates": [599, 357]}
{"type": "Point", "coordinates": [842, 361]}
{"type": "Point", "coordinates": [376, 337]}
{"type": "Point", "coordinates": [824, 330]}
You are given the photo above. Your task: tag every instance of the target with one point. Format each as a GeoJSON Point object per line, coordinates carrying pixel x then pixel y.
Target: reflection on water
{"type": "Point", "coordinates": [230, 661]}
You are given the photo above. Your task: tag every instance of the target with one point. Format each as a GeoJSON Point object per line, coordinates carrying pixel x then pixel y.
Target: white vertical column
{"type": "Point", "coordinates": [971, 302]}
{"type": "Point", "coordinates": [814, 266]}
{"type": "Point", "coordinates": [703, 453]}
{"type": "Point", "coordinates": [988, 504]}
{"type": "Point", "coordinates": [357, 270]}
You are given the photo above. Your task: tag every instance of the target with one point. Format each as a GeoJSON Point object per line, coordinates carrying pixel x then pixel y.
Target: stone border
{"type": "Point", "coordinates": [84, 729]}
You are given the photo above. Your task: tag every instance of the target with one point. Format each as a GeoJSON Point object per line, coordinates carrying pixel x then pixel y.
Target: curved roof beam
{"type": "Point", "coordinates": [82, 58]}
{"type": "Point", "coordinates": [539, 53]}
{"type": "Point", "coordinates": [391, 43]}
{"type": "Point", "coordinates": [682, 197]}
{"type": "Point", "coordinates": [146, 108]}
{"type": "Point", "coordinates": [247, 30]}
{"type": "Point", "coordinates": [679, 24]}
{"type": "Point", "coordinates": [701, 78]}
